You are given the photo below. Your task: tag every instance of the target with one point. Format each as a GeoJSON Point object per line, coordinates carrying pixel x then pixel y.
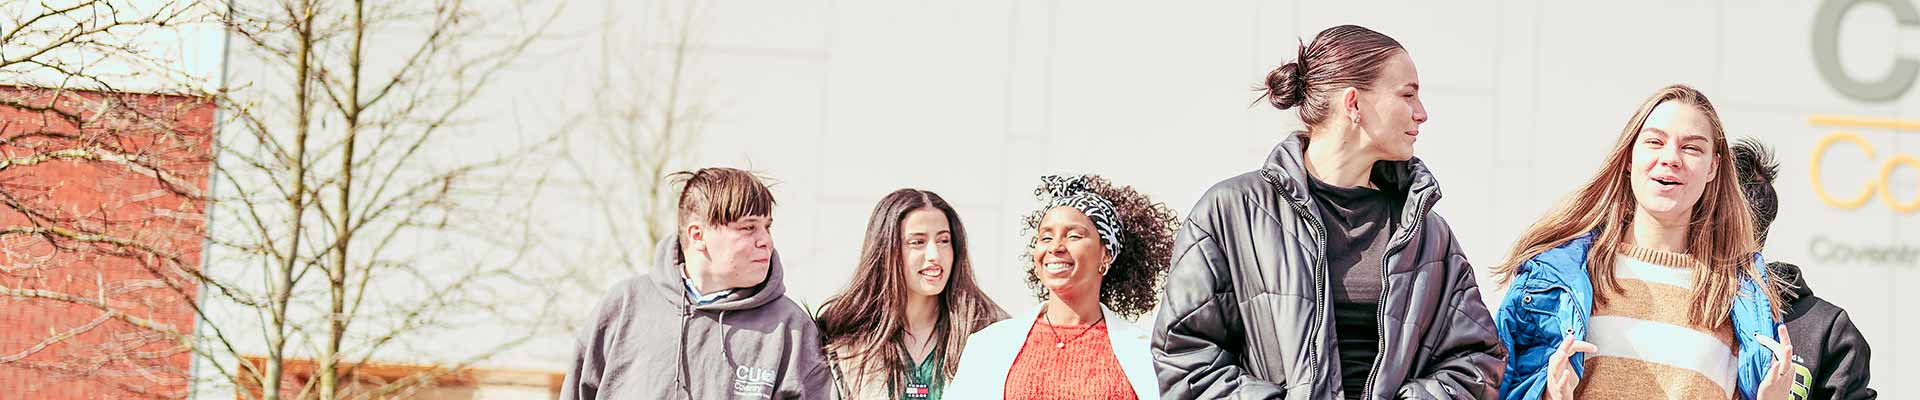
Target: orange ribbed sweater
{"type": "Point", "coordinates": [1085, 369]}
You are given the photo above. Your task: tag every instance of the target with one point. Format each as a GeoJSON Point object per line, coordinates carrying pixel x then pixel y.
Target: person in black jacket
{"type": "Point", "coordinates": [1831, 362]}
{"type": "Point", "coordinates": [1326, 274]}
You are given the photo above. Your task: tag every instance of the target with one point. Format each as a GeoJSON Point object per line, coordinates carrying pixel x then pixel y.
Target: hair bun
{"type": "Point", "coordinates": [1286, 86]}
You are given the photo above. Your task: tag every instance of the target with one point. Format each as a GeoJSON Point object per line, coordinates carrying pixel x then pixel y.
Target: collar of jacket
{"type": "Point", "coordinates": [1566, 266]}
{"type": "Point", "coordinates": [1286, 168]}
{"type": "Point", "coordinates": [990, 354]}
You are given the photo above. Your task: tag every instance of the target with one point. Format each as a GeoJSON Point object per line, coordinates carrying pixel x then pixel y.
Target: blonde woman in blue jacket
{"type": "Point", "coordinates": [1646, 284]}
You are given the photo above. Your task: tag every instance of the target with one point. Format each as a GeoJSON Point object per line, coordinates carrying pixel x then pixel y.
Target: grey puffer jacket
{"type": "Point", "coordinates": [1246, 311]}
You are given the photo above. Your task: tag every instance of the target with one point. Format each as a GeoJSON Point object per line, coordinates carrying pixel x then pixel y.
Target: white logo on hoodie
{"type": "Point", "coordinates": [753, 382]}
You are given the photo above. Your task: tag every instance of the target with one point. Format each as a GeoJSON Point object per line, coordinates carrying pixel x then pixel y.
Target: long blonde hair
{"type": "Point", "coordinates": [1719, 234]}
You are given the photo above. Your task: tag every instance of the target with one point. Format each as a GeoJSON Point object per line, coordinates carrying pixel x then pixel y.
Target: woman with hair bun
{"type": "Point", "coordinates": [1325, 273]}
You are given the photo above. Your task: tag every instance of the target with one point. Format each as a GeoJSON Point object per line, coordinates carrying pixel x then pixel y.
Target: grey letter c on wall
{"type": "Point", "coordinates": [1826, 52]}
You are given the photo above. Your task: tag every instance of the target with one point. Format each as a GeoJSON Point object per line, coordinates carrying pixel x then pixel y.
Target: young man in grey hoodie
{"type": "Point", "coordinates": [710, 319]}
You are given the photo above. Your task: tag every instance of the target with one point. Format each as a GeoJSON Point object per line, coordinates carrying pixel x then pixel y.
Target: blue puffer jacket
{"type": "Point", "coordinates": [1551, 297]}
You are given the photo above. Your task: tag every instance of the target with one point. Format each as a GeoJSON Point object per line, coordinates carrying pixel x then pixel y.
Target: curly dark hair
{"type": "Point", "coordinates": [1131, 286]}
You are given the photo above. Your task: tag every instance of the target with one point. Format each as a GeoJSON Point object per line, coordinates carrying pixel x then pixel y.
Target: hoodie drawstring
{"type": "Point", "coordinates": [686, 318]}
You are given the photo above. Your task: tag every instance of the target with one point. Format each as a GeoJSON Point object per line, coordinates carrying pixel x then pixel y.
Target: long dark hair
{"type": "Point", "coordinates": [866, 321]}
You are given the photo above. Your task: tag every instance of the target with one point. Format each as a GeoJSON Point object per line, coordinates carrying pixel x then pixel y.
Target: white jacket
{"type": "Point", "coordinates": [989, 355]}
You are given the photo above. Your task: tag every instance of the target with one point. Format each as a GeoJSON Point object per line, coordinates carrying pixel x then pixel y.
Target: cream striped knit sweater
{"type": "Point", "coordinates": [1648, 348]}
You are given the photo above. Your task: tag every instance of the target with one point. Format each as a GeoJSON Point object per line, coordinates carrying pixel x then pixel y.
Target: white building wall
{"type": "Point", "coordinates": [844, 101]}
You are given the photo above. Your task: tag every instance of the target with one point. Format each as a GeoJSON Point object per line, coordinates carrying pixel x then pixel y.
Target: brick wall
{"type": "Point", "coordinates": [101, 217]}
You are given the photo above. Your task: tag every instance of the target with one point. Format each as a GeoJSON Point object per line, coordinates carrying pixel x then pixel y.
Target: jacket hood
{"type": "Point", "coordinates": [1790, 274]}
{"type": "Point", "coordinates": [668, 269]}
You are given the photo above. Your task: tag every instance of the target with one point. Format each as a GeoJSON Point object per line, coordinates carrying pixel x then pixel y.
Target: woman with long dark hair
{"type": "Point", "coordinates": [896, 330]}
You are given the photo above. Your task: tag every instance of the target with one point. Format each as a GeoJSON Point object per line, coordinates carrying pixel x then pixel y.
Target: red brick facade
{"type": "Point", "coordinates": [101, 226]}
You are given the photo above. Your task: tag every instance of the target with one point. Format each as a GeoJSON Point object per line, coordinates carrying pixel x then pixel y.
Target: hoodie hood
{"type": "Point", "coordinates": [667, 273]}
{"type": "Point", "coordinates": [648, 342]}
{"type": "Point", "coordinates": [1796, 286]}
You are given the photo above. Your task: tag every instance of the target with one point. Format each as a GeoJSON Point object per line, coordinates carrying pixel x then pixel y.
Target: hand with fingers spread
{"type": "Point", "coordinates": [1778, 382]}
{"type": "Point", "coordinates": [1561, 380]}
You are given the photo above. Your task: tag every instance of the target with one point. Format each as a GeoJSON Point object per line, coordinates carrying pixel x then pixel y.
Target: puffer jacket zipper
{"type": "Point", "coordinates": [1380, 309]}
{"type": "Point", "coordinates": [1320, 272]}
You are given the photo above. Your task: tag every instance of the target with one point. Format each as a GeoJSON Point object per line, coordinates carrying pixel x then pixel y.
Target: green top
{"type": "Point", "coordinates": [921, 380]}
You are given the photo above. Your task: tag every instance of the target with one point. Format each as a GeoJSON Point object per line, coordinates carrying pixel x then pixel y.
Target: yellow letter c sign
{"type": "Point", "coordinates": [1879, 185]}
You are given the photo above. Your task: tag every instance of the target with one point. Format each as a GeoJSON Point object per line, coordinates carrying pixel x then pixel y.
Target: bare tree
{"type": "Point", "coordinates": [353, 219]}
{"type": "Point", "coordinates": [369, 166]}
{"type": "Point", "coordinates": [642, 126]}
{"type": "Point", "coordinates": [101, 201]}
{"type": "Point", "coordinates": [101, 234]}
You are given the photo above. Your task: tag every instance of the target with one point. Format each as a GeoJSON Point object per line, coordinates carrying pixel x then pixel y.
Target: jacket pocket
{"type": "Point", "coordinates": [1541, 308]}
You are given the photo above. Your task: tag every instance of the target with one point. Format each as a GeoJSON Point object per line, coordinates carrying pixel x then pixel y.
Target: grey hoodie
{"type": "Point", "coordinates": [646, 342]}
